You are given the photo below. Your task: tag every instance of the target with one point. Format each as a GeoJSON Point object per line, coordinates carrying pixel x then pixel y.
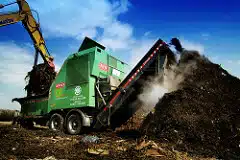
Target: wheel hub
{"type": "Point", "coordinates": [74, 124]}
{"type": "Point", "coordinates": [55, 124]}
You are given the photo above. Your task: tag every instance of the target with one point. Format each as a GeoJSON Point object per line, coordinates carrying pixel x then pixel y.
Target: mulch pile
{"type": "Point", "coordinates": [39, 79]}
{"type": "Point", "coordinates": [134, 122]}
{"type": "Point", "coordinates": [203, 115]}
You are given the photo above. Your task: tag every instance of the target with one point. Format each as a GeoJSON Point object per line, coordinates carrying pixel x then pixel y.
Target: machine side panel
{"type": "Point", "coordinates": [71, 87]}
{"type": "Point", "coordinates": [34, 106]}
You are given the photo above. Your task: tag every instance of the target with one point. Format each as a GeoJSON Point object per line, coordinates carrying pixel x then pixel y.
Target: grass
{"type": "Point", "coordinates": [3, 123]}
{"type": "Point", "coordinates": [7, 115]}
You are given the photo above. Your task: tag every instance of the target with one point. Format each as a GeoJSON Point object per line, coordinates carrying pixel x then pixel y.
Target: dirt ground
{"type": "Point", "coordinates": [41, 143]}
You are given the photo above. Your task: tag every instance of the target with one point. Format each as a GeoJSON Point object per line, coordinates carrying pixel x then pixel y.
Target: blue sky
{"type": "Point", "coordinates": [127, 28]}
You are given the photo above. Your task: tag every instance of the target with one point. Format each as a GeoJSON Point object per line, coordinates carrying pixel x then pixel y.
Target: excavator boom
{"type": "Point", "coordinates": [25, 16]}
{"type": "Point", "coordinates": [10, 18]}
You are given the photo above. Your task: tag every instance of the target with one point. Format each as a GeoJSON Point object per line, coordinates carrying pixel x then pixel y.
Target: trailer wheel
{"type": "Point", "coordinates": [74, 123]}
{"type": "Point", "coordinates": [26, 123]}
{"type": "Point", "coordinates": [56, 122]}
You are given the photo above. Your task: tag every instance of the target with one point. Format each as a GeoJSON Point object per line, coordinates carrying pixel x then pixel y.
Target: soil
{"type": "Point", "coordinates": [39, 143]}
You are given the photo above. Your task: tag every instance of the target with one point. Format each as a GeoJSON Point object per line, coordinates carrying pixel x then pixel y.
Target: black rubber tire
{"type": "Point", "coordinates": [27, 124]}
{"type": "Point", "coordinates": [56, 122]}
{"type": "Point", "coordinates": [30, 124]}
{"type": "Point", "coordinates": [74, 123]}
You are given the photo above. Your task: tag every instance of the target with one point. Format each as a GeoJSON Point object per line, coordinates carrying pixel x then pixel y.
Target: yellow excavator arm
{"type": "Point", "coordinates": [10, 18]}
{"type": "Point", "coordinates": [25, 16]}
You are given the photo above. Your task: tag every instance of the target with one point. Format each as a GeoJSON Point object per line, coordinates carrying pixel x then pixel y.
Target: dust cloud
{"type": "Point", "coordinates": [168, 81]}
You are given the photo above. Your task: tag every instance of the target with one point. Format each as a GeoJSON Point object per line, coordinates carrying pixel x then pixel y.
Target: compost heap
{"type": "Point", "coordinates": [39, 79]}
{"type": "Point", "coordinates": [203, 115]}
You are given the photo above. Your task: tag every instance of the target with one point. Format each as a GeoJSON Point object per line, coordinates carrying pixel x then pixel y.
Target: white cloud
{"type": "Point", "coordinates": [76, 18]}
{"type": "Point", "coordinates": [140, 48]}
{"type": "Point", "coordinates": [147, 33]}
{"type": "Point", "coordinates": [190, 45]}
{"type": "Point", "coordinates": [71, 18]}
{"type": "Point", "coordinates": [121, 6]}
{"type": "Point", "coordinates": [117, 36]}
{"type": "Point", "coordinates": [16, 61]}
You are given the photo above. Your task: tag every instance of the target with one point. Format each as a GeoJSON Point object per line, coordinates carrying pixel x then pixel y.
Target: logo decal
{"type": "Point", "coordinates": [116, 72]}
{"type": "Point", "coordinates": [103, 66]}
{"type": "Point", "coordinates": [78, 90]}
{"type": "Point", "coordinates": [60, 85]}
